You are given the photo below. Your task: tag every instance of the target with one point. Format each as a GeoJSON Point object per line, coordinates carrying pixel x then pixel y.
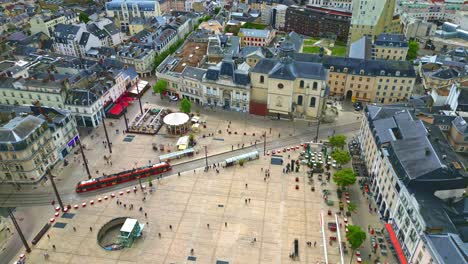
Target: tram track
{"type": "Point", "coordinates": [69, 196]}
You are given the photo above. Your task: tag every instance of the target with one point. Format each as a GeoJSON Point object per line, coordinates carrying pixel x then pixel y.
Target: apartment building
{"type": "Point", "coordinates": [390, 47]}
{"type": "Point", "coordinates": [370, 18]}
{"type": "Point", "coordinates": [373, 81]}
{"type": "Point", "coordinates": [286, 87]}
{"type": "Point", "coordinates": [256, 37]}
{"type": "Point", "coordinates": [27, 150]}
{"type": "Point", "coordinates": [318, 22]}
{"type": "Point", "coordinates": [46, 23]}
{"type": "Point", "coordinates": [139, 56]}
{"type": "Point", "coordinates": [432, 10]}
{"type": "Point", "coordinates": [124, 10]}
{"type": "Point", "coordinates": [413, 172]}
{"type": "Point", "coordinates": [338, 4]}
{"type": "Point", "coordinates": [74, 40]}
{"type": "Point", "coordinates": [278, 17]}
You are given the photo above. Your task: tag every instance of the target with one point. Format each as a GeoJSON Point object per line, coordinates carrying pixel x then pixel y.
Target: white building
{"type": "Point", "coordinates": [47, 23]}
{"type": "Point", "coordinates": [124, 10]}
{"type": "Point", "coordinates": [278, 17]}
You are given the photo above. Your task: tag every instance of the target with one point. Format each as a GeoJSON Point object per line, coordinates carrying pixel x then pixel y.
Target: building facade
{"type": "Point", "coordinates": [27, 150]}
{"type": "Point", "coordinates": [390, 47]}
{"type": "Point", "coordinates": [46, 24]}
{"type": "Point", "coordinates": [370, 18]}
{"type": "Point", "coordinates": [339, 4]}
{"type": "Point", "coordinates": [287, 88]}
{"type": "Point", "coordinates": [256, 37]}
{"type": "Point", "coordinates": [124, 10]}
{"type": "Point", "coordinates": [318, 22]}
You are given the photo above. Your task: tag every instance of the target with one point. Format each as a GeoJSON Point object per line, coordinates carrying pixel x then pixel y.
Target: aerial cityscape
{"type": "Point", "coordinates": [234, 131]}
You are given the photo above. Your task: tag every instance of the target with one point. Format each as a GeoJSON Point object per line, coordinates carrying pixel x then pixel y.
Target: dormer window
{"type": "Point", "coordinates": [345, 70]}
{"type": "Point", "coordinates": [332, 68]}
{"type": "Point", "coordinates": [397, 73]}
{"type": "Point", "coordinates": [382, 72]}
{"type": "Point", "coordinates": [361, 72]}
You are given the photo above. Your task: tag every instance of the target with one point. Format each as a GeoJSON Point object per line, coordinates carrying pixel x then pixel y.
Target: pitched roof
{"type": "Point", "coordinates": [19, 128]}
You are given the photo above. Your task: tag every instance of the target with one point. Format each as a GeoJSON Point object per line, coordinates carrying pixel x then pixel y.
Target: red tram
{"type": "Point", "coordinates": [121, 177]}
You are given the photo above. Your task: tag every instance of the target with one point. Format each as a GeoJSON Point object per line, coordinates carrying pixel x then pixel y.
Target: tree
{"type": "Point", "coordinates": [355, 237]}
{"type": "Point", "coordinates": [341, 156]}
{"type": "Point", "coordinates": [338, 141]}
{"type": "Point", "coordinates": [344, 177]}
{"type": "Point", "coordinates": [83, 17]}
{"type": "Point", "coordinates": [185, 106]}
{"type": "Point", "coordinates": [351, 207]}
{"type": "Point", "coordinates": [160, 87]}
{"type": "Point", "coordinates": [217, 9]}
{"type": "Point", "coordinates": [413, 48]}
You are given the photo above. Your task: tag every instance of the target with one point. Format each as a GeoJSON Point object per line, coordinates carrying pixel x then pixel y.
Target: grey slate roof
{"type": "Point", "coordinates": [84, 38]}
{"type": "Point", "coordinates": [290, 70]}
{"type": "Point", "coordinates": [354, 66]}
{"type": "Point", "coordinates": [193, 73]}
{"type": "Point", "coordinates": [450, 248]}
{"type": "Point", "coordinates": [66, 31]}
{"type": "Point", "coordinates": [111, 28]}
{"type": "Point", "coordinates": [19, 128]}
{"type": "Point", "coordinates": [393, 40]}
{"type": "Point", "coordinates": [257, 33]}
{"type": "Point", "coordinates": [461, 125]}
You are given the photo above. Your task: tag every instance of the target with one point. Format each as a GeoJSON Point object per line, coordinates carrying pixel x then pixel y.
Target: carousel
{"type": "Point", "coordinates": [177, 123]}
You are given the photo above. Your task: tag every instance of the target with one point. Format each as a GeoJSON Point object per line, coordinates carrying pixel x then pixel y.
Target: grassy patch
{"type": "Point", "coordinates": [254, 25]}
{"type": "Point", "coordinates": [310, 49]}
{"type": "Point", "coordinates": [338, 51]}
{"type": "Point", "coordinates": [310, 41]}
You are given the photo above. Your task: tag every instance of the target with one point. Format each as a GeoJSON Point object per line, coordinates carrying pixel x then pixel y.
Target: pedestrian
{"type": "Point", "coordinates": [53, 246]}
{"type": "Point", "coordinates": [246, 185]}
{"type": "Point", "coordinates": [159, 235]}
{"type": "Point", "coordinates": [125, 206]}
{"type": "Point", "coordinates": [315, 243]}
{"type": "Point", "coordinates": [146, 215]}
{"type": "Point", "coordinates": [90, 229]}
{"type": "Point", "coordinates": [193, 171]}
{"type": "Point", "coordinates": [178, 174]}
{"type": "Point", "coordinates": [370, 255]}
{"type": "Point", "coordinates": [170, 227]}
{"type": "Point", "coordinates": [261, 169]}
{"type": "Point", "coordinates": [245, 201]}
{"type": "Point", "coordinates": [144, 199]}
{"type": "Point", "coordinates": [117, 202]}
{"type": "Point", "coordinates": [74, 229]}
{"type": "Point", "coordinates": [191, 251]}
{"type": "Point", "coordinates": [249, 200]}
{"type": "Point", "coordinates": [46, 255]}
{"type": "Point", "coordinates": [48, 236]}
{"type": "Point", "coordinates": [264, 179]}
{"type": "Point", "coordinates": [279, 135]}
{"type": "Point", "coordinates": [141, 209]}
{"type": "Point", "coordinates": [208, 226]}
{"type": "Point", "coordinates": [225, 224]}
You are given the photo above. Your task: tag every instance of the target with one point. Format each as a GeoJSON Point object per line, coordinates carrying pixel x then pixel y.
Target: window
{"type": "Point", "coordinates": [312, 102]}
{"type": "Point", "coordinates": [262, 79]}
{"type": "Point", "coordinates": [299, 100]}
{"type": "Point", "coordinates": [280, 86]}
{"type": "Point", "coordinates": [314, 86]}
{"type": "Point", "coordinates": [301, 84]}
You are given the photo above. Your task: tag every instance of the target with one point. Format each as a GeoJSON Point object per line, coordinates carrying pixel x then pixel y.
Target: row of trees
{"type": "Point", "coordinates": [344, 178]}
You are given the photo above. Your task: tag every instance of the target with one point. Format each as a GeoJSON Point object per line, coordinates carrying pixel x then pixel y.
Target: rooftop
{"type": "Point", "coordinates": [19, 128]}
{"type": "Point", "coordinates": [257, 33]}
{"type": "Point", "coordinates": [191, 54]}
{"type": "Point", "coordinates": [391, 40]}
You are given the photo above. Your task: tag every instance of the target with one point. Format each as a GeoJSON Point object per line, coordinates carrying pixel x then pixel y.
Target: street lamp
{"type": "Point", "coordinates": [139, 99]}
{"type": "Point", "coordinates": [85, 161]}
{"type": "Point", "coordinates": [107, 136]}
{"type": "Point", "coordinates": [125, 119]}
{"type": "Point", "coordinates": [18, 229]}
{"type": "Point", "coordinates": [51, 178]}
{"type": "Point", "coordinates": [322, 96]}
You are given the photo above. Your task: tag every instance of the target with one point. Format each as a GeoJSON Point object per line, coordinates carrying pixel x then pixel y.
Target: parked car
{"type": "Point", "coordinates": [357, 106]}
{"type": "Point", "coordinates": [173, 98]}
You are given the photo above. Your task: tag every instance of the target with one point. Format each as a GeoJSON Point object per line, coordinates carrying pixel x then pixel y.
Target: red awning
{"type": "Point", "coordinates": [116, 110]}
{"type": "Point", "coordinates": [396, 244]}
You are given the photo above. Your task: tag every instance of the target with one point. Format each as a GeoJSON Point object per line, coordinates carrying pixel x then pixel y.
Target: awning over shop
{"type": "Point", "coordinates": [396, 244]}
{"type": "Point", "coordinates": [176, 154]}
{"type": "Point", "coordinates": [116, 110]}
{"type": "Point", "coordinates": [246, 156]}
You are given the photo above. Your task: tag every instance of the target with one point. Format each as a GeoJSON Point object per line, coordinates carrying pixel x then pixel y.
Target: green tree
{"type": "Point", "coordinates": [217, 9]}
{"type": "Point", "coordinates": [341, 156]}
{"type": "Point", "coordinates": [352, 207]}
{"type": "Point", "coordinates": [160, 87]}
{"type": "Point", "coordinates": [185, 106]}
{"type": "Point", "coordinates": [83, 17]}
{"type": "Point", "coordinates": [338, 141]}
{"type": "Point", "coordinates": [355, 237]}
{"type": "Point", "coordinates": [413, 48]}
{"type": "Point", "coordinates": [344, 177]}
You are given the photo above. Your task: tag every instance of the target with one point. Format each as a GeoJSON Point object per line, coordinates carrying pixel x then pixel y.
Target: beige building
{"type": "Point", "coordinates": [390, 47]}
{"type": "Point", "coordinates": [371, 18]}
{"type": "Point", "coordinates": [373, 81]}
{"type": "Point", "coordinates": [26, 150]}
{"type": "Point", "coordinates": [46, 24]}
{"type": "Point", "coordinates": [458, 135]}
{"type": "Point", "coordinates": [287, 88]}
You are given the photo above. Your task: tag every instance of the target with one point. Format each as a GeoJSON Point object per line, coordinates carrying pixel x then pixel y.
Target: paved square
{"type": "Point", "coordinates": [269, 210]}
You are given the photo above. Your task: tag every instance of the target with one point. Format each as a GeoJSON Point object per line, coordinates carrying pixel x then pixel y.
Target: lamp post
{"type": "Point", "coordinates": [322, 96]}
{"type": "Point", "coordinates": [51, 178]}
{"type": "Point", "coordinates": [18, 229]}
{"type": "Point", "coordinates": [206, 157]}
{"type": "Point", "coordinates": [85, 161]}
{"type": "Point", "coordinates": [125, 119]}
{"type": "Point", "coordinates": [264, 143]}
{"type": "Point", "coordinates": [139, 99]}
{"type": "Point", "coordinates": [107, 136]}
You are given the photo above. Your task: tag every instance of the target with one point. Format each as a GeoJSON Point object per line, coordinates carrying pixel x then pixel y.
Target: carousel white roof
{"type": "Point", "coordinates": [176, 119]}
